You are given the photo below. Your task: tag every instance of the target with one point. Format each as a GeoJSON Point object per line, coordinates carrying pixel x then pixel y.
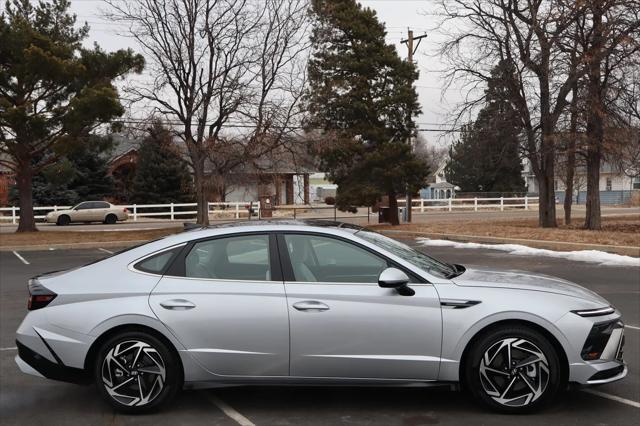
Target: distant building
{"type": "Point", "coordinates": [438, 187]}
{"type": "Point", "coordinates": [615, 187]}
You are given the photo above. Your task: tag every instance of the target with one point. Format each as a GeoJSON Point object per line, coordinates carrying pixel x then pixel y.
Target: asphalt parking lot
{"type": "Point", "coordinates": [30, 400]}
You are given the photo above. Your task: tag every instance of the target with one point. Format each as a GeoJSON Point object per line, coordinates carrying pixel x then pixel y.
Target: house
{"type": "Point", "coordinates": [615, 186]}
{"type": "Point", "coordinates": [438, 187]}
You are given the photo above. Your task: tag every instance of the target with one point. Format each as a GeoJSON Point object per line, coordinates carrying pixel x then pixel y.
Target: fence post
{"type": "Point", "coordinates": [237, 210]}
{"type": "Point", "coordinates": [526, 202]}
{"type": "Point", "coordinates": [13, 215]}
{"type": "Point", "coordinates": [475, 204]}
{"type": "Point", "coordinates": [501, 204]}
{"type": "Point", "coordinates": [449, 204]}
{"type": "Point", "coordinates": [368, 210]}
{"type": "Point", "coordinates": [294, 212]}
{"type": "Point", "coordinates": [135, 212]}
{"type": "Point", "coordinates": [172, 217]}
{"type": "Point", "coordinates": [55, 208]}
{"type": "Point", "coordinates": [421, 205]}
{"type": "Point", "coordinates": [334, 213]}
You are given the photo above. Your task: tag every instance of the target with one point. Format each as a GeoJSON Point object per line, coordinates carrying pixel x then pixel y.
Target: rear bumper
{"type": "Point", "coordinates": [30, 362]}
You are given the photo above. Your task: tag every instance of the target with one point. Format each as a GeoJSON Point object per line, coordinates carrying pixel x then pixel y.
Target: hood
{"type": "Point", "coordinates": [521, 280]}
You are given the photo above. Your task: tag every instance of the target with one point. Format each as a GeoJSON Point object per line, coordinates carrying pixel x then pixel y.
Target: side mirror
{"type": "Point", "coordinates": [395, 278]}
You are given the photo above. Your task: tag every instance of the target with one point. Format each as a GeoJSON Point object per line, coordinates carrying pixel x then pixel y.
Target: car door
{"type": "Point", "coordinates": [224, 300]}
{"type": "Point", "coordinates": [343, 325]}
{"type": "Point", "coordinates": [81, 212]}
{"type": "Point", "coordinates": [98, 211]}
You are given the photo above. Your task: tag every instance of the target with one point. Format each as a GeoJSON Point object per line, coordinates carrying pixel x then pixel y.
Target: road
{"type": "Point", "coordinates": [30, 400]}
{"type": "Point", "coordinates": [432, 216]}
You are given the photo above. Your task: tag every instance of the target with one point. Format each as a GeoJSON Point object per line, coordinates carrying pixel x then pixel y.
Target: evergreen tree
{"type": "Point", "coordinates": [162, 175]}
{"type": "Point", "coordinates": [361, 97]}
{"type": "Point", "coordinates": [80, 174]}
{"type": "Point", "coordinates": [486, 158]}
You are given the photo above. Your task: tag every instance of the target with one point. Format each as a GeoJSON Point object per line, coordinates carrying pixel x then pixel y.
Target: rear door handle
{"type": "Point", "coordinates": [311, 306]}
{"type": "Point", "coordinates": [177, 304]}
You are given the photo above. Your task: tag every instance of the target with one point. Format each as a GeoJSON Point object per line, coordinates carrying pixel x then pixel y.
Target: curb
{"type": "Point", "coordinates": [542, 244]}
{"type": "Point", "coordinates": [70, 246]}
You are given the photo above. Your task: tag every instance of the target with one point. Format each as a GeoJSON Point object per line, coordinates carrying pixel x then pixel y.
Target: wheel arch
{"type": "Point", "coordinates": [551, 337]}
{"type": "Point", "coordinates": [92, 353]}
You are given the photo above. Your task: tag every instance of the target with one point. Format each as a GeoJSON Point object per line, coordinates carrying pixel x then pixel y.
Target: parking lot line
{"type": "Point", "coordinates": [632, 327]}
{"type": "Point", "coordinates": [13, 348]}
{"type": "Point", "coordinates": [105, 250]}
{"type": "Point", "coordinates": [612, 397]}
{"type": "Point", "coordinates": [21, 258]}
{"type": "Point", "coordinates": [230, 411]}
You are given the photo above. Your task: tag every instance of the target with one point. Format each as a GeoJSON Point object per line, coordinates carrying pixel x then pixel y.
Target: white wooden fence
{"type": "Point", "coordinates": [177, 211]}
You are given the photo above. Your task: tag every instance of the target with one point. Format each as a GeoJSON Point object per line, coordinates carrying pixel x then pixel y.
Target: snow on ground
{"type": "Point", "coordinates": [592, 256]}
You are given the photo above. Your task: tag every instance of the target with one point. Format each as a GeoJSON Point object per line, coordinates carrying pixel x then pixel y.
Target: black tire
{"type": "Point", "coordinates": [63, 220]}
{"type": "Point", "coordinates": [110, 219]}
{"type": "Point", "coordinates": [157, 372]}
{"type": "Point", "coordinates": [494, 387]}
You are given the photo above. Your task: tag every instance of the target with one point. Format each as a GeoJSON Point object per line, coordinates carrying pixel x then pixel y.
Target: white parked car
{"type": "Point", "coordinates": [89, 211]}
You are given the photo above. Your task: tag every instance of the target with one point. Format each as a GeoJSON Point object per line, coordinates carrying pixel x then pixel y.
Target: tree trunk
{"type": "Point", "coordinates": [199, 182]}
{"type": "Point", "coordinates": [571, 157]}
{"type": "Point", "coordinates": [547, 195]}
{"type": "Point", "coordinates": [23, 180]}
{"type": "Point", "coordinates": [393, 209]}
{"type": "Point", "coordinates": [593, 218]}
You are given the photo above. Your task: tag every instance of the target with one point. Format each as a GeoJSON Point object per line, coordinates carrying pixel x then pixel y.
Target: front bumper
{"type": "Point", "coordinates": [30, 362]}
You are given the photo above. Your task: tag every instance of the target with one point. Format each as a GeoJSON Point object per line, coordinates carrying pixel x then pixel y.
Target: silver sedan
{"type": "Point", "coordinates": [312, 303]}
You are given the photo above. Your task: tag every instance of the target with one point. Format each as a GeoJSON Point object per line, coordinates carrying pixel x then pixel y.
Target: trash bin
{"type": "Point", "coordinates": [383, 214]}
{"type": "Point", "coordinates": [266, 206]}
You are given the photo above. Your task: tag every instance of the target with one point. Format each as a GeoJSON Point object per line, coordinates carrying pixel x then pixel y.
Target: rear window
{"type": "Point", "coordinates": [157, 263]}
{"type": "Point", "coordinates": [100, 205]}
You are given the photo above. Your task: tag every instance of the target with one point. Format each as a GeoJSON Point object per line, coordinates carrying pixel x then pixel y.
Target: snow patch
{"type": "Point", "coordinates": [592, 256]}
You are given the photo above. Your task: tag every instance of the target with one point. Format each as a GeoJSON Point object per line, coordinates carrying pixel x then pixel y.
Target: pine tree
{"type": "Point", "coordinates": [486, 158]}
{"type": "Point", "coordinates": [362, 99]}
{"type": "Point", "coordinates": [162, 175]}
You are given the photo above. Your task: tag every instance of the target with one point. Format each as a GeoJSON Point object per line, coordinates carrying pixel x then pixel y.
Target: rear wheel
{"type": "Point", "coordinates": [63, 220]}
{"type": "Point", "coordinates": [110, 219]}
{"type": "Point", "coordinates": [136, 372]}
{"type": "Point", "coordinates": [513, 370]}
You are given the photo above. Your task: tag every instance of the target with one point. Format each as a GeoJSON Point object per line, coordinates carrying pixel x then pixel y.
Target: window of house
{"type": "Point", "coordinates": [609, 184]}
{"type": "Point", "coordinates": [636, 182]}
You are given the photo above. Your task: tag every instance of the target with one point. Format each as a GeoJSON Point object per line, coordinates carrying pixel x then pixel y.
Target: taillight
{"type": "Point", "coordinates": [125, 210]}
{"type": "Point", "coordinates": [39, 295]}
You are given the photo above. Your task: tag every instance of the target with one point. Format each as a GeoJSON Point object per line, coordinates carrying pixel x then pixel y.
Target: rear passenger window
{"type": "Point", "coordinates": [232, 258]}
{"type": "Point", "coordinates": [158, 263]}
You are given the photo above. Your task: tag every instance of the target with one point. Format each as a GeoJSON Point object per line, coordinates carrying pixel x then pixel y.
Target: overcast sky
{"type": "Point", "coordinates": [398, 15]}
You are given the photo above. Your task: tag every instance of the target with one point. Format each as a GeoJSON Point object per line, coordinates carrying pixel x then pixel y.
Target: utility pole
{"type": "Point", "coordinates": [411, 50]}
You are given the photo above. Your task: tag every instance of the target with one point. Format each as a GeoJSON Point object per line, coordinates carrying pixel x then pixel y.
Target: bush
{"type": "Point", "coordinates": [330, 200]}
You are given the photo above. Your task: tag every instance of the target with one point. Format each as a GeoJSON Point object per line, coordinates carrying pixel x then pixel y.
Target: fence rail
{"type": "Point", "coordinates": [237, 210]}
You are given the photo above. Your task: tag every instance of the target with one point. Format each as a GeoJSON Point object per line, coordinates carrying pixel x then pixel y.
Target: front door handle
{"type": "Point", "coordinates": [177, 304]}
{"type": "Point", "coordinates": [311, 306]}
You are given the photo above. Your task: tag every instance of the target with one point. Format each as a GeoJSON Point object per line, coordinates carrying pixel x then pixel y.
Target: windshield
{"type": "Point", "coordinates": [411, 255]}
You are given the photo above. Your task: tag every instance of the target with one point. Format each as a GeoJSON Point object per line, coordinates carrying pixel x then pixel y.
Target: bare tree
{"type": "Point", "coordinates": [218, 67]}
{"type": "Point", "coordinates": [532, 35]}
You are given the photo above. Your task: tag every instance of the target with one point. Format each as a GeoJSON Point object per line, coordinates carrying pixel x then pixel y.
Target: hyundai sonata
{"type": "Point", "coordinates": [312, 303]}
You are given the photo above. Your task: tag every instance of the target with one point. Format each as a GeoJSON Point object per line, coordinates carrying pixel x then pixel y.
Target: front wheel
{"type": "Point", "coordinates": [136, 372]}
{"type": "Point", "coordinates": [513, 370]}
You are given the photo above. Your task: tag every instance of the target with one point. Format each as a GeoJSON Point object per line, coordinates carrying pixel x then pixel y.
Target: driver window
{"type": "Point", "coordinates": [83, 206]}
{"type": "Point", "coordinates": [233, 258]}
{"type": "Point", "coordinates": [323, 259]}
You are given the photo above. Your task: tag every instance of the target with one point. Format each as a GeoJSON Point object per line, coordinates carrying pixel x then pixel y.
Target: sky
{"type": "Point", "coordinates": [398, 15]}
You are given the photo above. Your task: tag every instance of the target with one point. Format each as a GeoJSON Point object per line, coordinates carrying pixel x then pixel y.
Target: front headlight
{"type": "Point", "coordinates": [595, 312]}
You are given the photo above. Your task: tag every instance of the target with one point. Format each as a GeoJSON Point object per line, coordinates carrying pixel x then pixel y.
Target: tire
{"type": "Point", "coordinates": [504, 388]}
{"type": "Point", "coordinates": [156, 374]}
{"type": "Point", "coordinates": [63, 220]}
{"type": "Point", "coordinates": [110, 219]}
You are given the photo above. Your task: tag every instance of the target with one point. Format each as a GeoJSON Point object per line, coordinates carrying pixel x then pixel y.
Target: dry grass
{"type": "Point", "coordinates": [70, 237]}
{"type": "Point", "coordinates": [618, 231]}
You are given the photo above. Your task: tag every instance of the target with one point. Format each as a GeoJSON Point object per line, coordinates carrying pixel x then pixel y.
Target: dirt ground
{"type": "Point", "coordinates": [618, 231]}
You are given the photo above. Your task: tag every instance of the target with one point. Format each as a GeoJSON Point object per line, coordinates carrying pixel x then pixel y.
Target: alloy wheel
{"type": "Point", "coordinates": [514, 372]}
{"type": "Point", "coordinates": [133, 373]}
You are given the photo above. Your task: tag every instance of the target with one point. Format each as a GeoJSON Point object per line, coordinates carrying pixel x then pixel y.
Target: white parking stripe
{"type": "Point", "coordinates": [230, 411]}
{"type": "Point", "coordinates": [21, 258]}
{"type": "Point", "coordinates": [9, 349]}
{"type": "Point", "coordinates": [612, 397]}
{"type": "Point", "coordinates": [633, 327]}
{"type": "Point", "coordinates": [105, 250]}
